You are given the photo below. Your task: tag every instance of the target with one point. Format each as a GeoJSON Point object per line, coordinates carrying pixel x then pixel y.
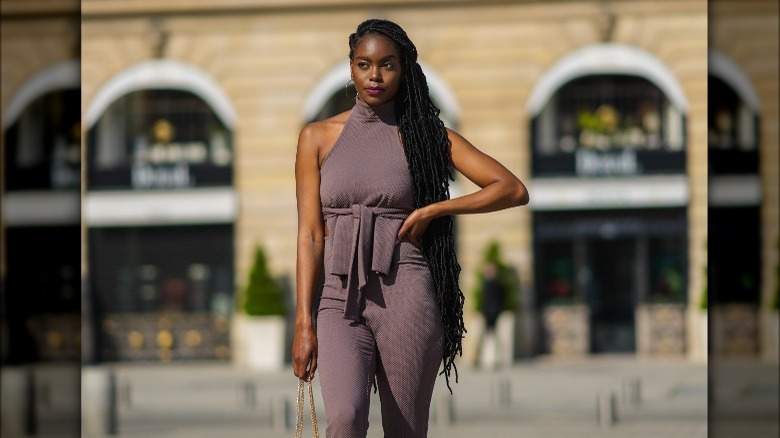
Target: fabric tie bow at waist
{"type": "Point", "coordinates": [358, 231]}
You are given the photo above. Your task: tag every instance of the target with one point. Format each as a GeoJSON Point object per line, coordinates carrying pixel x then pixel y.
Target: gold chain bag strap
{"type": "Point", "coordinates": [299, 411]}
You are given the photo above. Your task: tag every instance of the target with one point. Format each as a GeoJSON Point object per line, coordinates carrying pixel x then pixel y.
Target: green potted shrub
{"type": "Point", "coordinates": [699, 346]}
{"type": "Point", "coordinates": [259, 326]}
{"type": "Point", "coordinates": [262, 295]}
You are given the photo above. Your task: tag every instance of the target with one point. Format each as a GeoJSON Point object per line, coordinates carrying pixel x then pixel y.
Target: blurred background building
{"type": "Point", "coordinates": [190, 113]}
{"type": "Point", "coordinates": [41, 173]}
{"type": "Point", "coordinates": [744, 271]}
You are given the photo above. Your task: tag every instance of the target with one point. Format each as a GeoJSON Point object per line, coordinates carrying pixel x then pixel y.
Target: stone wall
{"type": "Point", "coordinates": [267, 58]}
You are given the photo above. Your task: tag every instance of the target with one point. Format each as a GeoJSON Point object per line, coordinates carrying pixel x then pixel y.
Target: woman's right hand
{"type": "Point", "coordinates": [304, 354]}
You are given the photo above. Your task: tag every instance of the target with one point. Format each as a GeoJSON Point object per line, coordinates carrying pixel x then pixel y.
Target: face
{"type": "Point", "coordinates": [376, 69]}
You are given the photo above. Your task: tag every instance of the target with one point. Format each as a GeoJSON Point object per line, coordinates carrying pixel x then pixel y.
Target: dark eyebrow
{"type": "Point", "coordinates": [365, 58]}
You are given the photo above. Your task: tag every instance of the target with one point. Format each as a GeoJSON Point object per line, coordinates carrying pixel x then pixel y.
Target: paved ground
{"type": "Point", "coordinates": [543, 397]}
{"type": "Point", "coordinates": [540, 398]}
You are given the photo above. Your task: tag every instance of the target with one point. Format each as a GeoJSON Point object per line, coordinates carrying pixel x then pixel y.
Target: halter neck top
{"type": "Point", "coordinates": [367, 164]}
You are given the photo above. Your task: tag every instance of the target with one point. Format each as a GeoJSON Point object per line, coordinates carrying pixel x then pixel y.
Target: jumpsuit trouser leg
{"type": "Point", "coordinates": [346, 364]}
{"type": "Point", "coordinates": [399, 340]}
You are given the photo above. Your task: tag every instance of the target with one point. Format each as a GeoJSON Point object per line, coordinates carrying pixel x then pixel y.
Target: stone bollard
{"type": "Point", "coordinates": [125, 394]}
{"type": "Point", "coordinates": [445, 410]}
{"type": "Point", "coordinates": [250, 395]}
{"type": "Point", "coordinates": [43, 394]}
{"type": "Point", "coordinates": [30, 410]}
{"type": "Point", "coordinates": [501, 392]}
{"type": "Point", "coordinates": [18, 401]}
{"type": "Point", "coordinates": [100, 413]}
{"type": "Point", "coordinates": [632, 395]}
{"type": "Point", "coordinates": [282, 416]}
{"type": "Point", "coordinates": [606, 408]}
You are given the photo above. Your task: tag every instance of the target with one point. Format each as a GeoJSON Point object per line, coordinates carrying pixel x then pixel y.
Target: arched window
{"type": "Point", "coordinates": [604, 118]}
{"type": "Point", "coordinates": [42, 147]}
{"type": "Point", "coordinates": [41, 232]}
{"type": "Point", "coordinates": [734, 186]}
{"type": "Point", "coordinates": [159, 138]}
{"type": "Point", "coordinates": [732, 131]}
{"type": "Point", "coordinates": [338, 103]}
{"type": "Point", "coordinates": [608, 125]}
{"type": "Point", "coordinates": [160, 211]}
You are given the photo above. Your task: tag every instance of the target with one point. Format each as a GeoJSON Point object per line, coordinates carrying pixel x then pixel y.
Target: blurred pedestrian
{"type": "Point", "coordinates": [374, 211]}
{"type": "Point", "coordinates": [493, 297]}
{"type": "Point", "coordinates": [494, 293]}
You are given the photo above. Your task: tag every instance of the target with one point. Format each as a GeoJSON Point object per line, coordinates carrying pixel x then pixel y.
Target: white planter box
{"type": "Point", "coordinates": [736, 330]}
{"type": "Point", "coordinates": [567, 329]}
{"type": "Point", "coordinates": [258, 342]}
{"type": "Point", "coordinates": [660, 329]}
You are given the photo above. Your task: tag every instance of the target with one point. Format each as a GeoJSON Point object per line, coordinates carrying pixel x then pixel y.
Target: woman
{"type": "Point", "coordinates": [374, 212]}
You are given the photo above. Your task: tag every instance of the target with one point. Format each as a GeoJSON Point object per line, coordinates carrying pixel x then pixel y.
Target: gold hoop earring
{"type": "Point", "coordinates": [346, 88]}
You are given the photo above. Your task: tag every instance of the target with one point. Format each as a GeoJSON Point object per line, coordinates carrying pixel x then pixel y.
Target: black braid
{"type": "Point", "coordinates": [426, 147]}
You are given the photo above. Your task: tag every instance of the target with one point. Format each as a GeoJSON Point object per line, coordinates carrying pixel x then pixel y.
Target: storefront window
{"type": "Point", "coordinates": [143, 269]}
{"type": "Point", "coordinates": [558, 281]}
{"type": "Point", "coordinates": [557, 274]}
{"type": "Point", "coordinates": [667, 269]}
{"type": "Point", "coordinates": [639, 254]}
{"type": "Point", "coordinates": [42, 280]}
{"type": "Point", "coordinates": [42, 286]}
{"type": "Point", "coordinates": [42, 148]}
{"type": "Point", "coordinates": [156, 139]}
{"type": "Point", "coordinates": [734, 254]}
{"type": "Point", "coordinates": [608, 125]}
{"type": "Point", "coordinates": [732, 131]}
{"type": "Point", "coordinates": [162, 293]}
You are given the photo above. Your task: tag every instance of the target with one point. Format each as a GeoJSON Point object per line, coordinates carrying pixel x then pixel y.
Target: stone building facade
{"type": "Point", "coordinates": [599, 106]}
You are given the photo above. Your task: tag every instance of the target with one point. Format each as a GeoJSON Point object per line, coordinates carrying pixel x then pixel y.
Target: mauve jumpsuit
{"type": "Point", "coordinates": [378, 313]}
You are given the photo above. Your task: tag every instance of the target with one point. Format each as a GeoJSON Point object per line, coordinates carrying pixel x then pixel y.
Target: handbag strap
{"type": "Point", "coordinates": [299, 412]}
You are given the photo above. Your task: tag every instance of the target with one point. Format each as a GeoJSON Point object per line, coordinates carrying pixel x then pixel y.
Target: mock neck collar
{"type": "Point", "coordinates": [384, 112]}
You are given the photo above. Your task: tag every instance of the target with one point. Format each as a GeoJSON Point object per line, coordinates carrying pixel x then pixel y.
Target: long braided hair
{"type": "Point", "coordinates": [426, 147]}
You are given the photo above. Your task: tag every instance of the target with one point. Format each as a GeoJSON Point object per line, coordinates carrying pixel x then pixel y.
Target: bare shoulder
{"type": "Point", "coordinates": [322, 135]}
{"type": "Point", "coordinates": [320, 131]}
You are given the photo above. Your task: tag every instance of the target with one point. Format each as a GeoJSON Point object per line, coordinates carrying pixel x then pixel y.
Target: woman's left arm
{"type": "Point", "coordinates": [499, 189]}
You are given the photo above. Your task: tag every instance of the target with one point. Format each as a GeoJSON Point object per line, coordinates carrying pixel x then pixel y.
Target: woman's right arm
{"type": "Point", "coordinates": [311, 233]}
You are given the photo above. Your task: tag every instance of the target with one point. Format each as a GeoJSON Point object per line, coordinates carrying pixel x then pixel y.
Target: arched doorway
{"type": "Point", "coordinates": [160, 212]}
{"type": "Point", "coordinates": [41, 180]}
{"type": "Point", "coordinates": [734, 209]}
{"type": "Point", "coordinates": [610, 231]}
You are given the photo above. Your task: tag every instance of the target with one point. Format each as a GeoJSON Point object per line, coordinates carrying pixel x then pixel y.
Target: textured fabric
{"type": "Point", "coordinates": [367, 164]}
{"type": "Point", "coordinates": [360, 231]}
{"type": "Point", "coordinates": [378, 314]}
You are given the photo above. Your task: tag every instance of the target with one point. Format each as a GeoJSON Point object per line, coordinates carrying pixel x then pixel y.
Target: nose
{"type": "Point", "coordinates": [375, 75]}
